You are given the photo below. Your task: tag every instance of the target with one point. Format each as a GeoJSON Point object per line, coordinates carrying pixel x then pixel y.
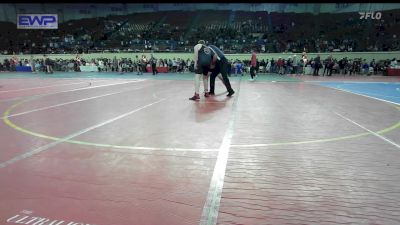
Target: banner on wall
{"type": "Point", "coordinates": [37, 21]}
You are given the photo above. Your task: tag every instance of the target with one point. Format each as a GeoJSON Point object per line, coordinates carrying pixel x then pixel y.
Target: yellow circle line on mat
{"type": "Point", "coordinates": [23, 130]}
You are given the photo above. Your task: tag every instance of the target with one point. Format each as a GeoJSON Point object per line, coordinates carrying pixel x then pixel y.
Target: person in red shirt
{"type": "Point", "coordinates": [253, 65]}
{"type": "Point", "coordinates": [280, 64]}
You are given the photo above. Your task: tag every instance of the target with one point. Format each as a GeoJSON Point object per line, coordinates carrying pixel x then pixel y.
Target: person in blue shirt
{"type": "Point", "coordinates": [365, 67]}
{"type": "Point", "coordinates": [239, 68]}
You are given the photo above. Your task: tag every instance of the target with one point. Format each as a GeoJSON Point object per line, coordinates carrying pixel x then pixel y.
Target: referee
{"type": "Point", "coordinates": [221, 67]}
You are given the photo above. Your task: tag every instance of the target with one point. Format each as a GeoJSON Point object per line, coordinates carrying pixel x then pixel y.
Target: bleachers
{"type": "Point", "coordinates": [251, 21]}
{"type": "Point", "coordinates": [213, 17]}
{"type": "Point", "coordinates": [282, 31]}
{"type": "Point", "coordinates": [179, 19]}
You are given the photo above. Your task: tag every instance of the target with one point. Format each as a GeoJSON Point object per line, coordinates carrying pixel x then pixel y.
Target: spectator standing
{"type": "Point", "coordinates": [49, 65]}
{"type": "Point", "coordinates": [144, 63]}
{"type": "Point", "coordinates": [374, 66]}
{"type": "Point", "coordinates": [295, 64]}
{"type": "Point", "coordinates": [153, 62]}
{"type": "Point", "coordinates": [253, 65]}
{"type": "Point", "coordinates": [138, 63]}
{"type": "Point", "coordinates": [32, 64]}
{"type": "Point", "coordinates": [317, 65]}
{"type": "Point", "coordinates": [305, 62]}
{"type": "Point", "coordinates": [280, 66]}
{"type": "Point", "coordinates": [365, 67]}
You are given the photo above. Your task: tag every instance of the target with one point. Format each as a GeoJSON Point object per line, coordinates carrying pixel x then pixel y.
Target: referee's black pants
{"type": "Point", "coordinates": [252, 72]}
{"type": "Point", "coordinates": [221, 67]}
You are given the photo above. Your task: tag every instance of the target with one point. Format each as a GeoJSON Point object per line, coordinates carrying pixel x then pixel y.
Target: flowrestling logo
{"type": "Point", "coordinates": [372, 15]}
{"type": "Point", "coordinates": [37, 21]}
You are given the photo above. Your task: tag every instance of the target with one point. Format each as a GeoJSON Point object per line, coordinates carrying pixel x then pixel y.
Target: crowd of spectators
{"type": "Point", "coordinates": [294, 64]}
{"type": "Point", "coordinates": [316, 66]}
{"type": "Point", "coordinates": [233, 32]}
{"type": "Point", "coordinates": [136, 64]}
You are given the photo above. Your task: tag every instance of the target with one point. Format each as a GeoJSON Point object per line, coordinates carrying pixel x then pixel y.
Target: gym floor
{"type": "Point", "coordinates": [121, 149]}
